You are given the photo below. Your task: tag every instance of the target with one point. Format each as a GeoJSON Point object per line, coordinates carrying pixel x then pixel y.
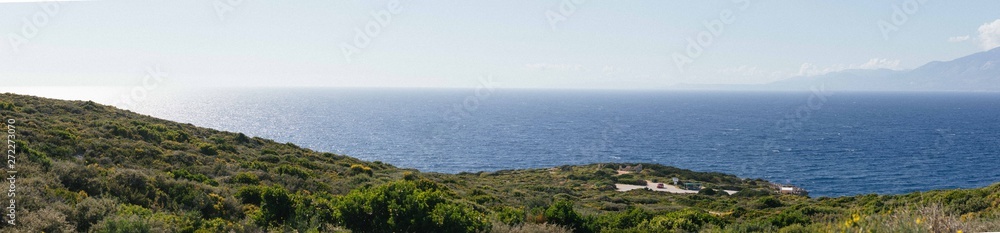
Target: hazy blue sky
{"type": "Point", "coordinates": [547, 43]}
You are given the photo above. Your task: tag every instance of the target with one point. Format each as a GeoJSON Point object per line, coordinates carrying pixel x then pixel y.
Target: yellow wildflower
{"type": "Point", "coordinates": [856, 217]}
{"type": "Point", "coordinates": [918, 220]}
{"type": "Point", "coordinates": [959, 231]}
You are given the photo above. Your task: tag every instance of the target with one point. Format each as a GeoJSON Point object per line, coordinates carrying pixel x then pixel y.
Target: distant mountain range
{"type": "Point", "coordinates": [976, 72]}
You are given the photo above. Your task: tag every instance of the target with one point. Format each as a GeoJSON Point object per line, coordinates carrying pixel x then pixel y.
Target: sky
{"type": "Point", "coordinates": [511, 43]}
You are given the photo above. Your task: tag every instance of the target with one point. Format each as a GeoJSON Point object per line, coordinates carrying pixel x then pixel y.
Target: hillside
{"type": "Point", "coordinates": [975, 72]}
{"type": "Point", "coordinates": [86, 167]}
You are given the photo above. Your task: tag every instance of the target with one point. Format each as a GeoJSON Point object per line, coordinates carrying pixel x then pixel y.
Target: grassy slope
{"type": "Point", "coordinates": [85, 166]}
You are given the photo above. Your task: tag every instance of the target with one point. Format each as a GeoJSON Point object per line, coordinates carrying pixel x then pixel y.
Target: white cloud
{"type": "Point", "coordinates": [989, 35]}
{"type": "Point", "coordinates": [743, 70]}
{"type": "Point", "coordinates": [809, 69]}
{"type": "Point", "coordinates": [745, 74]}
{"type": "Point", "coordinates": [879, 63]}
{"type": "Point", "coordinates": [955, 39]}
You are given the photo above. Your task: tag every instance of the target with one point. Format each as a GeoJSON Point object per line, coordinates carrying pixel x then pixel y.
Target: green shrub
{"type": "Point", "coordinates": [293, 171]}
{"type": "Point", "coordinates": [245, 178]}
{"type": "Point", "coordinates": [406, 206]}
{"type": "Point", "coordinates": [708, 192]}
{"type": "Point", "coordinates": [687, 220]}
{"type": "Point", "coordinates": [129, 209]}
{"type": "Point", "coordinates": [767, 202]}
{"type": "Point", "coordinates": [796, 228]}
{"type": "Point", "coordinates": [242, 138]}
{"type": "Point", "coordinates": [207, 149]}
{"type": "Point", "coordinates": [627, 219]}
{"type": "Point", "coordinates": [44, 220]}
{"type": "Point", "coordinates": [360, 169]}
{"type": "Point", "coordinates": [176, 136]}
{"type": "Point", "coordinates": [131, 186]}
{"type": "Point", "coordinates": [91, 211]}
{"type": "Point", "coordinates": [276, 206]}
{"type": "Point", "coordinates": [632, 181]}
{"type": "Point", "coordinates": [509, 215]}
{"type": "Point", "coordinates": [77, 177]}
{"type": "Point", "coordinates": [8, 106]}
{"type": "Point", "coordinates": [529, 228]}
{"type": "Point", "coordinates": [408, 175]}
{"type": "Point", "coordinates": [254, 165]}
{"type": "Point", "coordinates": [184, 174]}
{"type": "Point", "coordinates": [788, 218]}
{"type": "Point", "coordinates": [270, 158]}
{"type": "Point", "coordinates": [561, 212]}
{"type": "Point", "coordinates": [250, 194]}
{"type": "Point", "coordinates": [125, 224]}
{"type": "Point", "coordinates": [37, 157]}
{"type": "Point", "coordinates": [185, 195]}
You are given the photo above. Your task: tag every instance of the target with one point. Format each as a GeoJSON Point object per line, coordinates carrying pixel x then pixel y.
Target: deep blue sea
{"type": "Point", "coordinates": [831, 143]}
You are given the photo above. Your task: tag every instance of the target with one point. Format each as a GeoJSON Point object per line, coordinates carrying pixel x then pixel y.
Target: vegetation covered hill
{"type": "Point", "coordinates": [86, 167]}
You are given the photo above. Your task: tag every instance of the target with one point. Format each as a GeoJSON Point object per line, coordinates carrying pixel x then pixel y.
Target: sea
{"type": "Point", "coordinates": [829, 142]}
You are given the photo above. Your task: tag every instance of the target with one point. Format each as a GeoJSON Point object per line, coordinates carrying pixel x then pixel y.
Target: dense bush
{"type": "Point", "coordinates": [207, 149]}
{"type": "Point", "coordinates": [127, 224]}
{"type": "Point", "coordinates": [8, 106]}
{"type": "Point", "coordinates": [250, 194]}
{"type": "Point", "coordinates": [184, 174]}
{"type": "Point", "coordinates": [509, 215]}
{"type": "Point", "coordinates": [406, 206]}
{"type": "Point", "coordinates": [46, 220]}
{"type": "Point", "coordinates": [276, 206]}
{"type": "Point", "coordinates": [91, 211]}
{"type": "Point", "coordinates": [709, 192]}
{"type": "Point", "coordinates": [561, 212]}
{"type": "Point", "coordinates": [767, 202]}
{"type": "Point", "coordinates": [687, 220]}
{"type": "Point", "coordinates": [293, 171]}
{"type": "Point", "coordinates": [626, 219]}
{"type": "Point", "coordinates": [245, 178]}
{"type": "Point", "coordinates": [788, 218]}
{"type": "Point", "coordinates": [360, 169]}
{"type": "Point", "coordinates": [529, 228]}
